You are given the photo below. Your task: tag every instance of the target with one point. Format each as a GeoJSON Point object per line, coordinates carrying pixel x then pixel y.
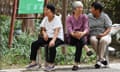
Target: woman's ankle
{"type": "Point", "coordinates": [33, 62]}
{"type": "Point", "coordinates": [76, 63]}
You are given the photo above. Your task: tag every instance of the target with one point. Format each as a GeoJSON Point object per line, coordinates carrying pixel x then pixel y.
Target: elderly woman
{"type": "Point", "coordinates": [77, 26]}
{"type": "Point", "coordinates": [100, 26]}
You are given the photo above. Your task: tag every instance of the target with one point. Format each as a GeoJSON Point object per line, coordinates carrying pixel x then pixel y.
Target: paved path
{"type": "Point", "coordinates": [84, 68]}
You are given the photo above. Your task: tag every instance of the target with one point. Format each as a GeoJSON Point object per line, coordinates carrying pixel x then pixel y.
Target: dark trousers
{"type": "Point", "coordinates": [50, 53]}
{"type": "Point", "coordinates": [79, 45]}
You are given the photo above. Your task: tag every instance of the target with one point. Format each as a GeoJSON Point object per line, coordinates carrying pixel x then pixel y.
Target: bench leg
{"type": "Point", "coordinates": [63, 49]}
{"type": "Point", "coordinates": [107, 54]}
{"type": "Point", "coordinates": [39, 60]}
{"type": "Point", "coordinates": [64, 52]}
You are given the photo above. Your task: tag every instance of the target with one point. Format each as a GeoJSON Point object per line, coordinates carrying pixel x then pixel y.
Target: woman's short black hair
{"type": "Point", "coordinates": [97, 6]}
{"type": "Point", "coordinates": [51, 7]}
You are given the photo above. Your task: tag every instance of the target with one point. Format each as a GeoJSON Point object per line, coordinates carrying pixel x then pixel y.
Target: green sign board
{"type": "Point", "coordinates": [30, 6]}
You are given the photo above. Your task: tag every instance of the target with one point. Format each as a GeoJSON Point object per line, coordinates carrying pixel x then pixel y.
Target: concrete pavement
{"type": "Point", "coordinates": [114, 67]}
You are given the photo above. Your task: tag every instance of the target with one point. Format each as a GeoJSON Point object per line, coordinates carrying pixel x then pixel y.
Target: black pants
{"type": "Point", "coordinates": [79, 45]}
{"type": "Point", "coordinates": [50, 53]}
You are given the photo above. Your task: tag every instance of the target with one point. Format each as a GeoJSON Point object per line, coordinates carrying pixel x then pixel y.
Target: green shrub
{"type": "Point", "coordinates": [20, 50]}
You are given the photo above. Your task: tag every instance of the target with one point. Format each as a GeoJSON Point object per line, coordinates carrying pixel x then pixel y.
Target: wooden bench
{"type": "Point", "coordinates": [63, 47]}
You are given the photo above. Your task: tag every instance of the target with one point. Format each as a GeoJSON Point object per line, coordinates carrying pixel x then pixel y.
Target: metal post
{"type": "Point", "coordinates": [12, 23]}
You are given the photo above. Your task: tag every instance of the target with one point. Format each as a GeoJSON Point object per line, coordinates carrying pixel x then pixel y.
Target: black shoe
{"type": "Point", "coordinates": [89, 53]}
{"type": "Point", "coordinates": [104, 62]}
{"type": "Point", "coordinates": [74, 68]}
{"type": "Point", "coordinates": [98, 65]}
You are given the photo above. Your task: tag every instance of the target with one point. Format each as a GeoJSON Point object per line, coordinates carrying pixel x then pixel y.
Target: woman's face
{"type": "Point", "coordinates": [79, 9]}
{"type": "Point", "coordinates": [93, 10]}
{"type": "Point", "coordinates": [49, 13]}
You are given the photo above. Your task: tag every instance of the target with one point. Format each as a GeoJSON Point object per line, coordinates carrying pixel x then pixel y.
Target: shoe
{"type": "Point", "coordinates": [98, 65]}
{"type": "Point", "coordinates": [74, 68]}
{"type": "Point", "coordinates": [105, 62]}
{"type": "Point", "coordinates": [34, 66]}
{"type": "Point", "coordinates": [89, 53]}
{"type": "Point", "coordinates": [49, 68]}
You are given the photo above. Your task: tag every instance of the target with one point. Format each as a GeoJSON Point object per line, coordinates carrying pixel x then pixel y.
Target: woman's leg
{"type": "Point", "coordinates": [79, 45]}
{"type": "Point", "coordinates": [104, 42]}
{"type": "Point", "coordinates": [88, 50]}
{"type": "Point", "coordinates": [94, 42]}
{"type": "Point", "coordinates": [34, 48]}
{"type": "Point", "coordinates": [51, 55]}
{"type": "Point", "coordinates": [52, 51]}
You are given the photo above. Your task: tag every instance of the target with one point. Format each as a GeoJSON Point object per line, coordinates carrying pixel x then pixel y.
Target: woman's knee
{"type": "Point", "coordinates": [105, 41]}
{"type": "Point", "coordinates": [93, 39]}
{"type": "Point", "coordinates": [34, 45]}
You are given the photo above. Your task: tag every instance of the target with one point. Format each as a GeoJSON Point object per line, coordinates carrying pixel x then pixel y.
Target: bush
{"type": "Point", "coordinates": [20, 50]}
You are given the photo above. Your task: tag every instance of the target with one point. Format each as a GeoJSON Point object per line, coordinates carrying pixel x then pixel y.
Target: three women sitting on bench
{"type": "Point", "coordinates": [78, 28]}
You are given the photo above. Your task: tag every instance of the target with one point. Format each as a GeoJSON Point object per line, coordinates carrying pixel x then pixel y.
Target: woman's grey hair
{"type": "Point", "coordinates": [77, 4]}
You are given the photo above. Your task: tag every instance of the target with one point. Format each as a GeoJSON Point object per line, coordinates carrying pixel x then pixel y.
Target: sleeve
{"type": "Point", "coordinates": [85, 25]}
{"type": "Point", "coordinates": [43, 22]}
{"type": "Point", "coordinates": [58, 23]}
{"type": "Point", "coordinates": [108, 22]}
{"type": "Point", "coordinates": [90, 21]}
{"type": "Point", "coordinates": [69, 25]}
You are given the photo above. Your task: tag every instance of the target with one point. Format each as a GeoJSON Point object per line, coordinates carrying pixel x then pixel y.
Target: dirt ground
{"type": "Point", "coordinates": [114, 60]}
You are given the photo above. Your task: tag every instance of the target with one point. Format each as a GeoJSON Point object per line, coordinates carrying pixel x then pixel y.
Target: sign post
{"type": "Point", "coordinates": [25, 7]}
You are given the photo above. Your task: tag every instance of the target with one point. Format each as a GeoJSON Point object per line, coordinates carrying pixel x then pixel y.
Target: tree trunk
{"type": "Point", "coordinates": [0, 48]}
{"type": "Point", "coordinates": [28, 25]}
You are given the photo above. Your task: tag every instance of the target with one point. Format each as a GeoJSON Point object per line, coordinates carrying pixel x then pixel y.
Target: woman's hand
{"type": "Point", "coordinates": [52, 43]}
{"type": "Point", "coordinates": [100, 35]}
{"type": "Point", "coordinates": [45, 36]}
{"type": "Point", "coordinates": [78, 34]}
